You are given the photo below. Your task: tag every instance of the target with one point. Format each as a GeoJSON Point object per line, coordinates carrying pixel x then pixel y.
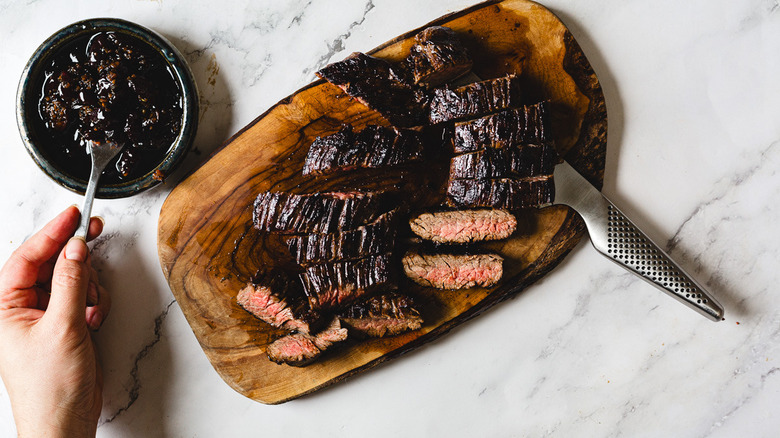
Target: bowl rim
{"type": "Point", "coordinates": [182, 74]}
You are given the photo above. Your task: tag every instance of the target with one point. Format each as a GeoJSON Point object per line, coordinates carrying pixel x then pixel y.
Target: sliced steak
{"type": "Point", "coordinates": [474, 100]}
{"type": "Point", "coordinates": [332, 334]}
{"type": "Point", "coordinates": [301, 349]}
{"type": "Point", "coordinates": [377, 84]}
{"type": "Point", "coordinates": [509, 194]}
{"type": "Point", "coordinates": [438, 56]}
{"type": "Point", "coordinates": [526, 125]}
{"type": "Point", "coordinates": [297, 349]}
{"type": "Point", "coordinates": [372, 147]}
{"type": "Point", "coordinates": [375, 238]}
{"type": "Point", "coordinates": [287, 213]}
{"type": "Point", "coordinates": [329, 286]}
{"type": "Point", "coordinates": [464, 226]}
{"type": "Point", "coordinates": [384, 315]}
{"type": "Point", "coordinates": [453, 271]}
{"type": "Point", "coordinates": [520, 161]}
{"type": "Point", "coordinates": [278, 299]}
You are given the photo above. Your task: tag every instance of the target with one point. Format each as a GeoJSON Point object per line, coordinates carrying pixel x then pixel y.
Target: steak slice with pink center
{"type": "Point", "coordinates": [277, 298]}
{"type": "Point", "coordinates": [464, 226]}
{"type": "Point", "coordinates": [300, 349]}
{"type": "Point", "coordinates": [453, 271]}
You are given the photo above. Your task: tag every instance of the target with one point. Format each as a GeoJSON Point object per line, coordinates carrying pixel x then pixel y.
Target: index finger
{"type": "Point", "coordinates": [21, 269]}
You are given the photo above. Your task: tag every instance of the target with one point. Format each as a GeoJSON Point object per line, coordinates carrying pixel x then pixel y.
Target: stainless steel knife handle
{"type": "Point", "coordinates": [615, 236]}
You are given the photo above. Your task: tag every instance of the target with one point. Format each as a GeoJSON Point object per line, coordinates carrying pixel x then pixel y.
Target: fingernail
{"type": "Point", "coordinates": [76, 249]}
{"type": "Point", "coordinates": [100, 218]}
{"type": "Point", "coordinates": [96, 321]}
{"type": "Point", "coordinates": [92, 294]}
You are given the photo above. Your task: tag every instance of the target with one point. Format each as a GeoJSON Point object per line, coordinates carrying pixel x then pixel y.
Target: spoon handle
{"type": "Point", "coordinates": [89, 196]}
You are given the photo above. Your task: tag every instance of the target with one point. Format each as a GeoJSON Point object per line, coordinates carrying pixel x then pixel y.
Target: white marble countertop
{"type": "Point", "coordinates": [590, 351]}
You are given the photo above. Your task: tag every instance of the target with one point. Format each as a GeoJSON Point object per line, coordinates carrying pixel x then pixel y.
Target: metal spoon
{"type": "Point", "coordinates": [101, 154]}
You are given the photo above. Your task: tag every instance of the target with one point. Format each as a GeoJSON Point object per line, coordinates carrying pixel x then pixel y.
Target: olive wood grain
{"type": "Point", "coordinates": [208, 248]}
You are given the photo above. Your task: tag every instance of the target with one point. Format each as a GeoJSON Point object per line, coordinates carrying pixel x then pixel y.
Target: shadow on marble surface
{"type": "Point", "coordinates": [216, 108]}
{"type": "Point", "coordinates": [136, 365]}
{"type": "Point", "coordinates": [717, 286]}
{"type": "Point", "coordinates": [734, 303]}
{"type": "Point", "coordinates": [611, 95]}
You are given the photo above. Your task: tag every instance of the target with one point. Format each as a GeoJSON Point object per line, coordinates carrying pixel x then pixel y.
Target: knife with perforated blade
{"type": "Point", "coordinates": [616, 237]}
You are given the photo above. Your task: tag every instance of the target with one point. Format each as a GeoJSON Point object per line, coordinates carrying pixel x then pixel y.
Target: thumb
{"type": "Point", "coordinates": [69, 285]}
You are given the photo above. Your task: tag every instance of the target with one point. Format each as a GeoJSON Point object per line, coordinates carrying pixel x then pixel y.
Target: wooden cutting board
{"type": "Point", "coordinates": [208, 248]}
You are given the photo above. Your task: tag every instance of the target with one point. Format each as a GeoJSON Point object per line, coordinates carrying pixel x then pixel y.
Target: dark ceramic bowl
{"type": "Point", "coordinates": [28, 95]}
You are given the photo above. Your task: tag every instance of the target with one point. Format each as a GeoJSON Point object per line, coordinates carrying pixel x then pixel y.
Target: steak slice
{"type": "Point", "coordinates": [509, 194]}
{"type": "Point", "coordinates": [387, 314]}
{"type": "Point", "coordinates": [512, 162]}
{"type": "Point", "coordinates": [277, 298]}
{"type": "Point", "coordinates": [378, 85]}
{"type": "Point", "coordinates": [287, 213]}
{"type": "Point", "coordinates": [526, 125]}
{"type": "Point", "coordinates": [375, 238]}
{"type": "Point", "coordinates": [464, 226]}
{"type": "Point", "coordinates": [329, 286]}
{"type": "Point", "coordinates": [474, 100]}
{"type": "Point", "coordinates": [297, 349]}
{"type": "Point", "coordinates": [372, 147]}
{"type": "Point", "coordinates": [453, 271]}
{"type": "Point", "coordinates": [437, 57]}
{"type": "Point", "coordinates": [301, 349]}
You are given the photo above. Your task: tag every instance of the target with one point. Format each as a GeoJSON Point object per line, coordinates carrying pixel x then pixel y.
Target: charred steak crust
{"type": "Point", "coordinates": [278, 299]}
{"type": "Point", "coordinates": [387, 314]}
{"type": "Point", "coordinates": [286, 213]}
{"type": "Point", "coordinates": [453, 271]}
{"type": "Point", "coordinates": [372, 147]}
{"type": "Point", "coordinates": [329, 286]}
{"type": "Point", "coordinates": [375, 238]}
{"type": "Point", "coordinates": [509, 194]}
{"type": "Point", "coordinates": [438, 56]}
{"type": "Point", "coordinates": [513, 162]}
{"type": "Point", "coordinates": [526, 125]}
{"type": "Point", "coordinates": [380, 86]}
{"type": "Point", "coordinates": [474, 100]}
{"type": "Point", "coordinates": [464, 226]}
{"type": "Point", "coordinates": [300, 349]}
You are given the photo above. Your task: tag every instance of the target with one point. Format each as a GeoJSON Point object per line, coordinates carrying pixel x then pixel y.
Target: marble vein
{"type": "Point", "coordinates": [590, 351]}
{"type": "Point", "coordinates": [728, 186]}
{"type": "Point", "coordinates": [741, 403]}
{"type": "Point", "coordinates": [135, 387]}
{"type": "Point", "coordinates": [554, 336]}
{"type": "Point", "coordinates": [337, 45]}
{"type": "Point", "coordinates": [298, 18]}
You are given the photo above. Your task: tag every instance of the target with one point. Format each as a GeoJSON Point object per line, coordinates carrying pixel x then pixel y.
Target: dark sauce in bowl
{"type": "Point", "coordinates": [109, 87]}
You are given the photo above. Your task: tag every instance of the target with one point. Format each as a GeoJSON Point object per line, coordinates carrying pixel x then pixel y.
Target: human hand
{"type": "Point", "coordinates": [48, 362]}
